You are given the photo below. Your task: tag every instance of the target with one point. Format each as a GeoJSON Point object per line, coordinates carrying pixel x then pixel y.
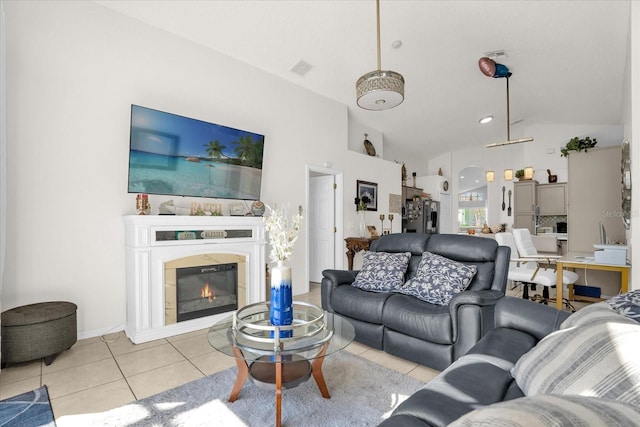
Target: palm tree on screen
{"type": "Point", "coordinates": [214, 149]}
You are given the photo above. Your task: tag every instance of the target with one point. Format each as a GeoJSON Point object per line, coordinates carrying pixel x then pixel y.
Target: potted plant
{"type": "Point", "coordinates": [520, 174]}
{"type": "Point", "coordinates": [578, 144]}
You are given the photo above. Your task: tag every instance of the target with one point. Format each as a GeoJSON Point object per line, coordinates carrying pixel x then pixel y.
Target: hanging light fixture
{"type": "Point", "coordinates": [528, 172]}
{"type": "Point", "coordinates": [490, 176]}
{"type": "Point", "coordinates": [508, 174]}
{"type": "Point", "coordinates": [491, 69]}
{"type": "Point", "coordinates": [380, 90]}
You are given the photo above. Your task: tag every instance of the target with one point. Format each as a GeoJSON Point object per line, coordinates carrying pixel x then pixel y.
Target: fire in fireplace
{"type": "Point", "coordinates": [206, 290]}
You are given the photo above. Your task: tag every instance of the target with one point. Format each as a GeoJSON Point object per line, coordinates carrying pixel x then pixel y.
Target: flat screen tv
{"type": "Point", "coordinates": [178, 156]}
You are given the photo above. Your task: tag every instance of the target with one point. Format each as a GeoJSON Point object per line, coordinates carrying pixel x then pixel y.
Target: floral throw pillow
{"type": "Point", "coordinates": [438, 279]}
{"type": "Point", "coordinates": [382, 271]}
{"type": "Point", "coordinates": [627, 304]}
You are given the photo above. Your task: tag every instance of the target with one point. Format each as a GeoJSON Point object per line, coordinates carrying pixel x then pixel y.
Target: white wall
{"type": "Point", "coordinates": [73, 69]}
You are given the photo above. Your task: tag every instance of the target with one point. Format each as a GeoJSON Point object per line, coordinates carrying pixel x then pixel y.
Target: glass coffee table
{"type": "Point", "coordinates": [280, 357]}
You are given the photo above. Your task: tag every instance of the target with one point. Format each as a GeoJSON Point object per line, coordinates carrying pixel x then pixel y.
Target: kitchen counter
{"type": "Point", "coordinates": [559, 236]}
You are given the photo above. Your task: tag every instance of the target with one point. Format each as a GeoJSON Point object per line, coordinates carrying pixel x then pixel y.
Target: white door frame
{"type": "Point", "coordinates": [338, 215]}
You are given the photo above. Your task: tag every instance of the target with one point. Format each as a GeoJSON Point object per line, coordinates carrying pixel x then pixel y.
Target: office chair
{"type": "Point", "coordinates": [525, 271]}
{"type": "Point", "coordinates": [527, 250]}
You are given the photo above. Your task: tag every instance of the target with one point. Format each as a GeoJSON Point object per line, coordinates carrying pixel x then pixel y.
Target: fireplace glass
{"type": "Point", "coordinates": [206, 290]}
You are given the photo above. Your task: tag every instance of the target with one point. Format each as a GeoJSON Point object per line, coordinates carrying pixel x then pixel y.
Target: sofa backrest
{"type": "Point", "coordinates": [416, 243]}
{"type": "Point", "coordinates": [492, 260]}
{"type": "Point", "coordinates": [483, 252]}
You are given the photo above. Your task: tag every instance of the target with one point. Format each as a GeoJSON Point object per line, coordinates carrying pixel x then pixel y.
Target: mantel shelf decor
{"type": "Point", "coordinates": [282, 237]}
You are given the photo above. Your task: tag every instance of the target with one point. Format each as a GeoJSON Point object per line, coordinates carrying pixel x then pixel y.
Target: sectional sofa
{"type": "Point", "coordinates": [540, 366]}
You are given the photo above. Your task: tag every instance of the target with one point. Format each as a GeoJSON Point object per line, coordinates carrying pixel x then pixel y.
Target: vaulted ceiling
{"type": "Point", "coordinates": [567, 58]}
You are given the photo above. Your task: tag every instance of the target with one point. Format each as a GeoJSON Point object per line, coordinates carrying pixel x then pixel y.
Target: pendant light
{"type": "Point", "coordinates": [379, 90]}
{"type": "Point", "coordinates": [490, 176]}
{"type": "Point", "coordinates": [491, 69]}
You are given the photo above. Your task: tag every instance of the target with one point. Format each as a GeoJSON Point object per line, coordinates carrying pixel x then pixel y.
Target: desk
{"type": "Point", "coordinates": [586, 261]}
{"type": "Point", "coordinates": [356, 244]}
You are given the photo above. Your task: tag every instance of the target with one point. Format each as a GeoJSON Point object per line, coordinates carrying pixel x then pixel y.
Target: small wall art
{"type": "Point", "coordinates": [370, 190]}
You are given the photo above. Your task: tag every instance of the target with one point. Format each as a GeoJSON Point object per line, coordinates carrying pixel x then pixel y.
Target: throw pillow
{"type": "Point", "coordinates": [594, 313]}
{"type": "Point", "coordinates": [597, 359]}
{"type": "Point", "coordinates": [382, 271]}
{"type": "Point", "coordinates": [553, 411]}
{"type": "Point", "coordinates": [627, 304]}
{"type": "Point", "coordinates": [438, 279]}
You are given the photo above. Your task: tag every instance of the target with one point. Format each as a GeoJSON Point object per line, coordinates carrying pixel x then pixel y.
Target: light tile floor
{"type": "Point", "coordinates": [102, 373]}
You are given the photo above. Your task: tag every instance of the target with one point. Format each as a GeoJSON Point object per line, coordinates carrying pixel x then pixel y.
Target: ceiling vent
{"type": "Point", "coordinates": [301, 68]}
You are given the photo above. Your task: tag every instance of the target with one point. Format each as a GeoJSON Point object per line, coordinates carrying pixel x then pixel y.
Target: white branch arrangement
{"type": "Point", "coordinates": [282, 233]}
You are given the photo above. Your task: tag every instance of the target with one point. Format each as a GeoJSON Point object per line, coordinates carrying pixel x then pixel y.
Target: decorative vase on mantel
{"type": "Point", "coordinates": [281, 307]}
{"type": "Point", "coordinates": [362, 225]}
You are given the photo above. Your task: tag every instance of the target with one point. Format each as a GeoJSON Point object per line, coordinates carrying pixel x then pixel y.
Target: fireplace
{"type": "Point", "coordinates": [159, 246]}
{"type": "Point", "coordinates": [206, 290]}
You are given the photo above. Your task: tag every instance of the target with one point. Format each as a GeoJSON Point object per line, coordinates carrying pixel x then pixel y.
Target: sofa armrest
{"type": "Point", "coordinates": [536, 319]}
{"type": "Point", "coordinates": [331, 279]}
{"type": "Point", "coordinates": [484, 298]}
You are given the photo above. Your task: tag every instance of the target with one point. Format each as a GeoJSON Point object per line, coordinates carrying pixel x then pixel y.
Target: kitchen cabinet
{"type": "Point", "coordinates": [552, 199]}
{"type": "Point", "coordinates": [524, 204]}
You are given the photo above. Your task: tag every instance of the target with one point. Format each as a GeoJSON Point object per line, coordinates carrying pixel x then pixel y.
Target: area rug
{"type": "Point", "coordinates": [31, 409]}
{"type": "Point", "coordinates": [362, 394]}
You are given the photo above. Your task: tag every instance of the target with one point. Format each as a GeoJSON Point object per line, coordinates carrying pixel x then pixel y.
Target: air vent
{"type": "Point", "coordinates": [301, 68]}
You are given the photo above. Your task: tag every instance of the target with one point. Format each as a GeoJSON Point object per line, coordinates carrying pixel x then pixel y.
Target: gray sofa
{"type": "Point", "coordinates": [520, 374]}
{"type": "Point", "coordinates": [408, 327]}
{"type": "Point", "coordinates": [481, 377]}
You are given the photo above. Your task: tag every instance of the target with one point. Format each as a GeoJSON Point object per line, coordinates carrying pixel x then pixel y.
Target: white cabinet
{"type": "Point", "coordinates": [552, 199]}
{"type": "Point", "coordinates": [524, 204]}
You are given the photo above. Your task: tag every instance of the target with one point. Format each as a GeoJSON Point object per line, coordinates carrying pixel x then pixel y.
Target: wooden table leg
{"type": "Point", "coordinates": [278, 390]}
{"type": "Point", "coordinates": [559, 284]}
{"type": "Point", "coordinates": [316, 371]}
{"type": "Point", "coordinates": [241, 377]}
{"type": "Point", "coordinates": [350, 255]}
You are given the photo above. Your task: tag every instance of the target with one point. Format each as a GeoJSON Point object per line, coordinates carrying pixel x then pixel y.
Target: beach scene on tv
{"type": "Point", "coordinates": [178, 156]}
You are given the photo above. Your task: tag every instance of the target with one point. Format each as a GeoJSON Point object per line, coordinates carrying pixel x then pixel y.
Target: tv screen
{"type": "Point", "coordinates": [178, 156]}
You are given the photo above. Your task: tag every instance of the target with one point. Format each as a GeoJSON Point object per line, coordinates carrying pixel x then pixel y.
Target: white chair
{"type": "Point", "coordinates": [525, 271]}
{"type": "Point", "coordinates": [526, 249]}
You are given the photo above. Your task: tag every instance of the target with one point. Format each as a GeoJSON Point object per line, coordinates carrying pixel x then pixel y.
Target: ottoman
{"type": "Point", "coordinates": [40, 330]}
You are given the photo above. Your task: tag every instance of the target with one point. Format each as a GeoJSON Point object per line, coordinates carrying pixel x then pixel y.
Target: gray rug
{"type": "Point", "coordinates": [362, 394]}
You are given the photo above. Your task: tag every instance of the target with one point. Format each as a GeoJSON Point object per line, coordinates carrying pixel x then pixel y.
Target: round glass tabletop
{"type": "Point", "coordinates": [250, 331]}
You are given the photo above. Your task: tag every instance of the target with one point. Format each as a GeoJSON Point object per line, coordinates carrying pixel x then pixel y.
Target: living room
{"type": "Point", "coordinates": [73, 71]}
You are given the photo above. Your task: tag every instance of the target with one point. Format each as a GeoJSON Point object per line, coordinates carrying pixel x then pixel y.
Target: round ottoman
{"type": "Point", "coordinates": [38, 330]}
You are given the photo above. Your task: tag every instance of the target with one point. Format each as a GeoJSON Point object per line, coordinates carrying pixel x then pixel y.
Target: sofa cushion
{"type": "Point", "coordinates": [459, 389]}
{"type": "Point", "coordinates": [382, 271]}
{"type": "Point", "coordinates": [411, 316]}
{"type": "Point", "coordinates": [597, 359]}
{"type": "Point", "coordinates": [438, 279]}
{"type": "Point", "coordinates": [553, 411]}
{"type": "Point", "coordinates": [594, 313]}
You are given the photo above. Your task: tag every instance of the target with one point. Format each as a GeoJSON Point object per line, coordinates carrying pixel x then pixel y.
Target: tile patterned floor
{"type": "Point", "coordinates": [102, 373]}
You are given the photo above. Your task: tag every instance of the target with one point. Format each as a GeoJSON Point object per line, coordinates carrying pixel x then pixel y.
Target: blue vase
{"type": "Point", "coordinates": [281, 307]}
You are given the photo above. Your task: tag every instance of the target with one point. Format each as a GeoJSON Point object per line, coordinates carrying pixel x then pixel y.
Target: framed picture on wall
{"type": "Point", "coordinates": [369, 190]}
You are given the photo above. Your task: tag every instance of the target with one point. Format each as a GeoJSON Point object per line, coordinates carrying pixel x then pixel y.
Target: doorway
{"type": "Point", "coordinates": [324, 221]}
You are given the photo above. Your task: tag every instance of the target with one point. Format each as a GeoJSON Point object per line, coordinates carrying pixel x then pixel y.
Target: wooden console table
{"type": "Point", "coordinates": [357, 244]}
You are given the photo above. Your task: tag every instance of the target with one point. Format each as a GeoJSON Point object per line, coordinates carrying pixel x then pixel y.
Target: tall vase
{"type": "Point", "coordinates": [362, 227]}
{"type": "Point", "coordinates": [281, 307]}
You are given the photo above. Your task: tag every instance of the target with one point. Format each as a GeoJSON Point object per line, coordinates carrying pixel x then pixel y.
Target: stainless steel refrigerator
{"type": "Point", "coordinates": [421, 216]}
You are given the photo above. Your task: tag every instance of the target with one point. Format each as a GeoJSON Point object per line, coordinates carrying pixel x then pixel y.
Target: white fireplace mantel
{"type": "Point", "coordinates": [147, 252]}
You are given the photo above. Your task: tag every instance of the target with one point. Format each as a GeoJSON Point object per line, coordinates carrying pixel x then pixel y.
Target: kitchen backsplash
{"type": "Point", "coordinates": [551, 220]}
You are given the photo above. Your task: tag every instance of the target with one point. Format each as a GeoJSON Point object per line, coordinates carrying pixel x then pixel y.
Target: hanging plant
{"type": "Point", "coordinates": [578, 144]}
